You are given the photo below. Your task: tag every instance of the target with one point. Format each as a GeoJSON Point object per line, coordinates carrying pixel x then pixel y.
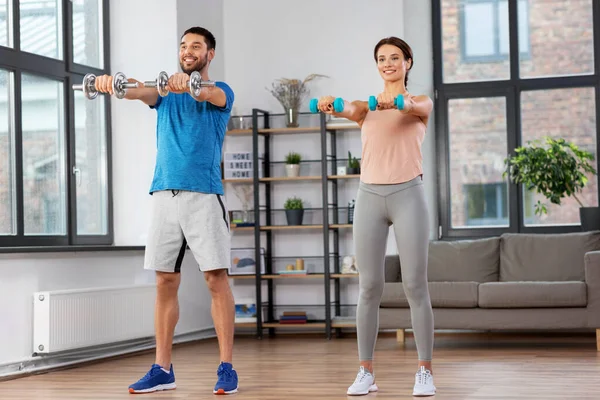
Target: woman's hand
{"type": "Point", "coordinates": [326, 104]}
{"type": "Point", "coordinates": [385, 101]}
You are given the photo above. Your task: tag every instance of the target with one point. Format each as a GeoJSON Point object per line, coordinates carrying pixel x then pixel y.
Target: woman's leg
{"type": "Point", "coordinates": [370, 232]}
{"type": "Point", "coordinates": [408, 211]}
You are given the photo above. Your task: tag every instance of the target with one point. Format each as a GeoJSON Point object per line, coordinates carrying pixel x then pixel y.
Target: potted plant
{"type": "Point", "coordinates": [292, 164]}
{"type": "Point", "coordinates": [557, 170]}
{"type": "Point", "coordinates": [294, 210]}
{"type": "Point", "coordinates": [353, 165]}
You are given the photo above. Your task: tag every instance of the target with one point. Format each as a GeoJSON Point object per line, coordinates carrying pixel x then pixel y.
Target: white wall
{"type": "Point", "coordinates": [207, 14]}
{"type": "Point", "coordinates": [140, 47]}
{"type": "Point", "coordinates": [269, 39]}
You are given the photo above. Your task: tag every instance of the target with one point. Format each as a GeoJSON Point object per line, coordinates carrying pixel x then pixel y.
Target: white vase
{"type": "Point", "coordinates": [292, 170]}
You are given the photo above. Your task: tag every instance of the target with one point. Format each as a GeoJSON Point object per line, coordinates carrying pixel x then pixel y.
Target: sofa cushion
{"type": "Point", "coordinates": [464, 260]}
{"type": "Point", "coordinates": [545, 257]}
{"type": "Point", "coordinates": [443, 294]}
{"type": "Point", "coordinates": [532, 294]}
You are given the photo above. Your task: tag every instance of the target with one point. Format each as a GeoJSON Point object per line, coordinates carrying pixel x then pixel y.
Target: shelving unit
{"type": "Point", "coordinates": [264, 232]}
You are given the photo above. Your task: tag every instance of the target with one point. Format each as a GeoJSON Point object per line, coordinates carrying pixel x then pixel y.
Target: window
{"type": "Point", "coordinates": [484, 30]}
{"type": "Point", "coordinates": [506, 73]}
{"type": "Point", "coordinates": [54, 158]}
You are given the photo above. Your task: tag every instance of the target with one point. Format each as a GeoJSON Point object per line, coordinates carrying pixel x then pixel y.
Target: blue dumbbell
{"type": "Point", "coordinates": [398, 102]}
{"type": "Point", "coordinates": [338, 105]}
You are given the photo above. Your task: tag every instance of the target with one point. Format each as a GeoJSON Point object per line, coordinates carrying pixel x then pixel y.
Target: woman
{"type": "Point", "coordinates": [391, 192]}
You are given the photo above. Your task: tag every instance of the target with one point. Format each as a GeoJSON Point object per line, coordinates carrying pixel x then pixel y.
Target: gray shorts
{"type": "Point", "coordinates": [181, 218]}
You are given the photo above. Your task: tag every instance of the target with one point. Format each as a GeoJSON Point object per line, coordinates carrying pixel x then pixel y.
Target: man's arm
{"type": "Point", "coordinates": [149, 96]}
{"type": "Point", "coordinates": [212, 94]}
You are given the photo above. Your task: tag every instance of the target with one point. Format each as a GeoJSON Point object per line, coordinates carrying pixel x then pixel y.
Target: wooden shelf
{"type": "Point", "coordinates": [238, 180]}
{"type": "Point", "coordinates": [283, 131]}
{"type": "Point", "coordinates": [288, 227]}
{"type": "Point", "coordinates": [290, 276]}
{"type": "Point", "coordinates": [343, 275]}
{"type": "Point", "coordinates": [306, 325]}
{"type": "Point", "coordinates": [354, 176]}
{"type": "Point", "coordinates": [343, 324]}
{"type": "Point", "coordinates": [337, 226]}
{"type": "Point", "coordinates": [293, 178]}
{"type": "Point", "coordinates": [238, 132]}
{"type": "Point", "coordinates": [242, 228]}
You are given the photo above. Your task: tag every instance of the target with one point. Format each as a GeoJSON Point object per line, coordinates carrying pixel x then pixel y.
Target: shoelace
{"type": "Point", "coordinates": [362, 374]}
{"type": "Point", "coordinates": [423, 376]}
{"type": "Point", "coordinates": [153, 371]}
{"type": "Point", "coordinates": [225, 374]}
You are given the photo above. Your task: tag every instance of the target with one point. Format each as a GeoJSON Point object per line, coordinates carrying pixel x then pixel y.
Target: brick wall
{"type": "Point", "coordinates": [561, 43]}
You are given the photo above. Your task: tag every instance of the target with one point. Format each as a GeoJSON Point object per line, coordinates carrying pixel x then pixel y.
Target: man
{"type": "Point", "coordinates": [188, 208]}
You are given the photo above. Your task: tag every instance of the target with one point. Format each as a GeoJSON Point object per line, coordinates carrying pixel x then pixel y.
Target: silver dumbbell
{"type": "Point", "coordinates": [160, 83]}
{"type": "Point", "coordinates": [88, 86]}
{"type": "Point", "coordinates": [196, 83]}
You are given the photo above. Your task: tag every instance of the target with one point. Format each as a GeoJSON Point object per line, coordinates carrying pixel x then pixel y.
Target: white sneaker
{"type": "Point", "coordinates": [423, 383]}
{"type": "Point", "coordinates": [363, 384]}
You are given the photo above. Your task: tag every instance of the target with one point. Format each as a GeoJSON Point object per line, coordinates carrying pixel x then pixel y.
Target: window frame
{"type": "Point", "coordinates": [511, 89]}
{"type": "Point", "coordinates": [497, 56]}
{"type": "Point", "coordinates": [68, 73]}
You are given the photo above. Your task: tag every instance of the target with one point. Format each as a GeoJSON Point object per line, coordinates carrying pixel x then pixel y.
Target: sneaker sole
{"type": "Point", "coordinates": [168, 386]}
{"type": "Point", "coordinates": [424, 394]}
{"type": "Point", "coordinates": [222, 391]}
{"type": "Point", "coordinates": [372, 388]}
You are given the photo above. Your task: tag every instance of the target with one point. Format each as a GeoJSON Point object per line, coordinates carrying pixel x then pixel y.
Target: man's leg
{"type": "Point", "coordinates": [166, 315]}
{"type": "Point", "coordinates": [165, 249]}
{"type": "Point", "coordinates": [223, 311]}
{"type": "Point", "coordinates": [206, 227]}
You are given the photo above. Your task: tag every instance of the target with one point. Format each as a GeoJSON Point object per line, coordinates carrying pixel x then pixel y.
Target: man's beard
{"type": "Point", "coordinates": [198, 67]}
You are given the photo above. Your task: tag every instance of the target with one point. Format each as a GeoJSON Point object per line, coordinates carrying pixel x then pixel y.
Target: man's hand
{"type": "Point", "coordinates": [179, 83]}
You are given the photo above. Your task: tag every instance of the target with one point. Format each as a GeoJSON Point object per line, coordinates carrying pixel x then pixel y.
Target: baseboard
{"type": "Point", "coordinates": [47, 363]}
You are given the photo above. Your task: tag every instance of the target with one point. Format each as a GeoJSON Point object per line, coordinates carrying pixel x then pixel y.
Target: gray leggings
{"type": "Point", "coordinates": [378, 207]}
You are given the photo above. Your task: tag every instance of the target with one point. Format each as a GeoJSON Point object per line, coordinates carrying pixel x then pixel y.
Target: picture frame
{"type": "Point", "coordinates": [242, 261]}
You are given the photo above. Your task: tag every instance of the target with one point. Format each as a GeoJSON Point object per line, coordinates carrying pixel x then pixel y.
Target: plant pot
{"type": "Point", "coordinates": [292, 170]}
{"type": "Point", "coordinates": [353, 171]}
{"type": "Point", "coordinates": [294, 217]}
{"type": "Point", "coordinates": [590, 218]}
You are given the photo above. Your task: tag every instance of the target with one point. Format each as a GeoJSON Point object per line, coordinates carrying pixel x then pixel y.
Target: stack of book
{"type": "Point", "coordinates": [293, 317]}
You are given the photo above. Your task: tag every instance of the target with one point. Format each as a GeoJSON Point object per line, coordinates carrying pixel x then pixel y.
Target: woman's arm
{"type": "Point", "coordinates": [354, 111]}
{"type": "Point", "coordinates": [420, 106]}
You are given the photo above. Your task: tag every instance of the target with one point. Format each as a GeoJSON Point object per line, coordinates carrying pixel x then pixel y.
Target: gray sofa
{"type": "Point", "coordinates": [511, 282]}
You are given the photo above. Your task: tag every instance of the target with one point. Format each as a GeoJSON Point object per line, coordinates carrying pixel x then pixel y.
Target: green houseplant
{"type": "Point", "coordinates": [353, 165]}
{"type": "Point", "coordinates": [294, 210]}
{"type": "Point", "coordinates": [557, 170]}
{"type": "Point", "coordinates": [292, 164]}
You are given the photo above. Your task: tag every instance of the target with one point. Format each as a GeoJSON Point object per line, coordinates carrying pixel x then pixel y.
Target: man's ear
{"type": "Point", "coordinates": [211, 54]}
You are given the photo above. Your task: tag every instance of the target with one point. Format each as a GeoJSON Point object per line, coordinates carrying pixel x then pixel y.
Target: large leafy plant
{"type": "Point", "coordinates": [556, 169]}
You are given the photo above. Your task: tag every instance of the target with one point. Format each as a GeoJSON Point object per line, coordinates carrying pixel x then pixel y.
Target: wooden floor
{"type": "Point", "coordinates": [466, 366]}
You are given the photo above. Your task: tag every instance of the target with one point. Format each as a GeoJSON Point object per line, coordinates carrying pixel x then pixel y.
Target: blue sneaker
{"type": "Point", "coordinates": [156, 379]}
{"type": "Point", "coordinates": [228, 379]}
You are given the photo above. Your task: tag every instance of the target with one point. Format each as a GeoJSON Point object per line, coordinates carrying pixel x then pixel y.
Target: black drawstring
{"type": "Point", "coordinates": [175, 192]}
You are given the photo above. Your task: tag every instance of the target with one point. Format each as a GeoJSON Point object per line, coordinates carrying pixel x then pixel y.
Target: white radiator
{"type": "Point", "coordinates": [71, 319]}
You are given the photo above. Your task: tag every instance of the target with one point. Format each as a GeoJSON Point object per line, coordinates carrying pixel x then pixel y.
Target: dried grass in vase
{"type": "Point", "coordinates": [291, 92]}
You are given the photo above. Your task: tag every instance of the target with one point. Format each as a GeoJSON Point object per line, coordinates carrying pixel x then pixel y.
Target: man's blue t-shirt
{"type": "Point", "coordinates": [189, 140]}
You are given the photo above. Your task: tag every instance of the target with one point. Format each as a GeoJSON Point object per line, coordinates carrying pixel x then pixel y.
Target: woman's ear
{"type": "Point", "coordinates": [409, 64]}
